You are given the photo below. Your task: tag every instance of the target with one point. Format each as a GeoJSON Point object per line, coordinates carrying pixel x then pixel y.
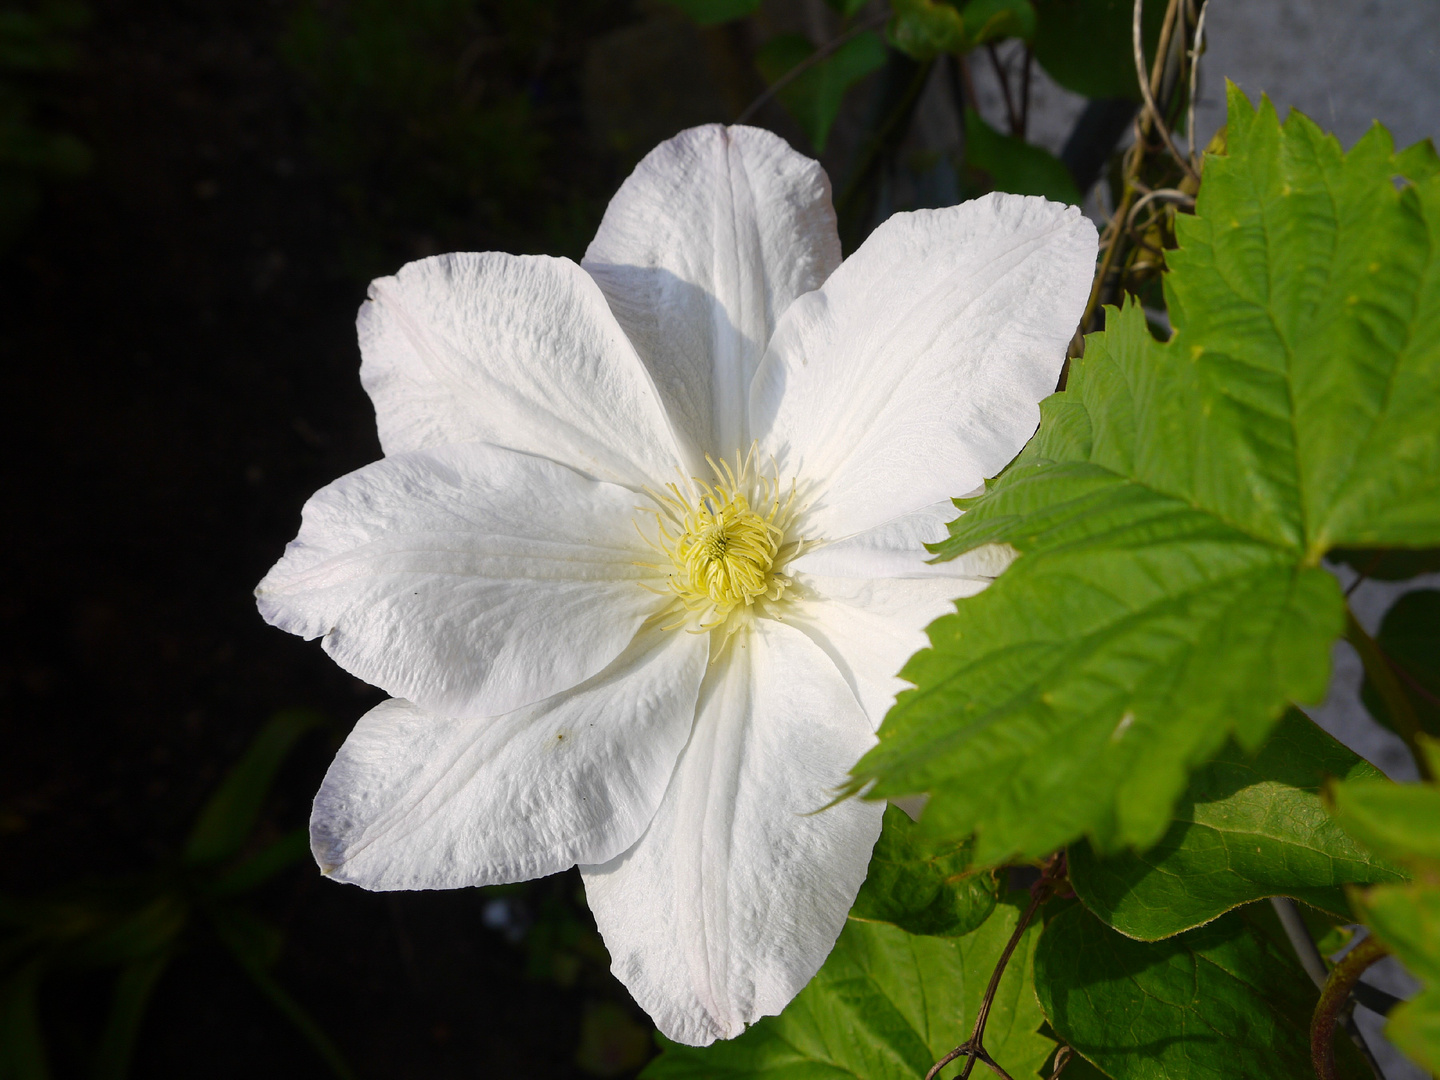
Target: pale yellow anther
{"type": "Point", "coordinates": [725, 540]}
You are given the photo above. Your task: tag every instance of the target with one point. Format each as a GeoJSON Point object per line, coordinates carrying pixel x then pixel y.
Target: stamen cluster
{"type": "Point", "coordinates": [725, 539]}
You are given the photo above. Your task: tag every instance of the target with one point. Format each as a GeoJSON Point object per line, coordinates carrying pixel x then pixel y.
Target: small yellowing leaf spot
{"type": "Point", "coordinates": [1197, 351]}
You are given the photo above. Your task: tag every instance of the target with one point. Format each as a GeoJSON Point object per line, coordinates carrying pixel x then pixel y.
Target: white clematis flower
{"type": "Point", "coordinates": [646, 551]}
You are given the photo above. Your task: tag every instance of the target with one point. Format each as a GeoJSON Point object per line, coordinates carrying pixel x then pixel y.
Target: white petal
{"type": "Point", "coordinates": [916, 370]}
{"type": "Point", "coordinates": [701, 250]}
{"type": "Point", "coordinates": [469, 579]}
{"type": "Point", "coordinates": [735, 894]}
{"type": "Point", "coordinates": [416, 801]}
{"type": "Point", "coordinates": [869, 629]}
{"type": "Point", "coordinates": [897, 549]}
{"type": "Point", "coordinates": [519, 351]}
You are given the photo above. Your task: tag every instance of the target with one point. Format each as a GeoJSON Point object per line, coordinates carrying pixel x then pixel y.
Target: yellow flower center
{"type": "Point", "coordinates": [725, 539]}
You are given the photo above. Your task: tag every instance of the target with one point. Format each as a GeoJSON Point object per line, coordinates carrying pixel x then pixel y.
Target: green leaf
{"type": "Point", "coordinates": [1402, 822]}
{"type": "Point", "coordinates": [1249, 827]}
{"type": "Point", "coordinates": [1085, 45]}
{"type": "Point", "coordinates": [1173, 508]}
{"type": "Point", "coordinates": [846, 8]}
{"type": "Point", "coordinates": [886, 1004]}
{"type": "Point", "coordinates": [1407, 919]}
{"type": "Point", "coordinates": [133, 988]}
{"type": "Point", "coordinates": [921, 885]}
{"type": "Point", "coordinates": [260, 868]}
{"type": "Point", "coordinates": [22, 1043]}
{"type": "Point", "coordinates": [1194, 1006]}
{"type": "Point", "coordinates": [230, 815]}
{"type": "Point", "coordinates": [254, 945]}
{"type": "Point", "coordinates": [612, 1043]}
{"type": "Point", "coordinates": [1418, 162]}
{"type": "Point", "coordinates": [1415, 1028]}
{"type": "Point", "coordinates": [1015, 165]}
{"type": "Point", "coordinates": [995, 20]}
{"type": "Point", "coordinates": [814, 96]}
{"type": "Point", "coordinates": [1410, 639]}
{"type": "Point", "coordinates": [128, 936]}
{"type": "Point", "coordinates": [714, 12]}
{"type": "Point", "coordinates": [1397, 821]}
{"type": "Point", "coordinates": [923, 29]}
{"type": "Point", "coordinates": [1077, 1068]}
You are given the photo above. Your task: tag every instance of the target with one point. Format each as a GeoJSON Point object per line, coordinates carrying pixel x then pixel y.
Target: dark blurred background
{"type": "Point", "coordinates": [193, 195]}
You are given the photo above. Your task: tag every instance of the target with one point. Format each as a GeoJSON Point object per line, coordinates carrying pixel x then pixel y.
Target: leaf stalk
{"type": "Point", "coordinates": [1052, 878]}
{"type": "Point", "coordinates": [1382, 674]}
{"type": "Point", "coordinates": [1335, 1000]}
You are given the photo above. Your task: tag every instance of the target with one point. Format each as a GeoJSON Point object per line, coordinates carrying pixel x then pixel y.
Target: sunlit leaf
{"type": "Point", "coordinates": [923, 885]}
{"type": "Point", "coordinates": [885, 1006]}
{"type": "Point", "coordinates": [1014, 165]}
{"type": "Point", "coordinates": [1172, 511]}
{"type": "Point", "coordinates": [1402, 822]}
{"type": "Point", "coordinates": [1248, 827]}
{"type": "Point", "coordinates": [1396, 821]}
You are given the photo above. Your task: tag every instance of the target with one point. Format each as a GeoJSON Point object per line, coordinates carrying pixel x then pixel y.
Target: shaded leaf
{"type": "Point", "coordinates": [1085, 45]}
{"type": "Point", "coordinates": [1194, 1006]}
{"type": "Point", "coordinates": [922, 885]}
{"type": "Point", "coordinates": [1394, 564]}
{"type": "Point", "coordinates": [1248, 827]}
{"type": "Point", "coordinates": [611, 1042]}
{"type": "Point", "coordinates": [814, 96]}
{"type": "Point", "coordinates": [987, 21]}
{"type": "Point", "coordinates": [241, 932]}
{"type": "Point", "coordinates": [923, 29]}
{"type": "Point", "coordinates": [1015, 165]}
{"type": "Point", "coordinates": [126, 936]}
{"type": "Point", "coordinates": [260, 868]}
{"type": "Point", "coordinates": [22, 1045]}
{"type": "Point", "coordinates": [1172, 511]}
{"type": "Point", "coordinates": [230, 815]}
{"type": "Point", "coordinates": [133, 988]}
{"type": "Point", "coordinates": [1410, 639]}
{"type": "Point", "coordinates": [714, 12]}
{"type": "Point", "coordinates": [886, 1004]}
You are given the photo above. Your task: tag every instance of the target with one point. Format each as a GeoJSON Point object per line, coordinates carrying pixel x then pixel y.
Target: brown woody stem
{"type": "Point", "coordinates": [973, 1048]}
{"type": "Point", "coordinates": [1334, 999]}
